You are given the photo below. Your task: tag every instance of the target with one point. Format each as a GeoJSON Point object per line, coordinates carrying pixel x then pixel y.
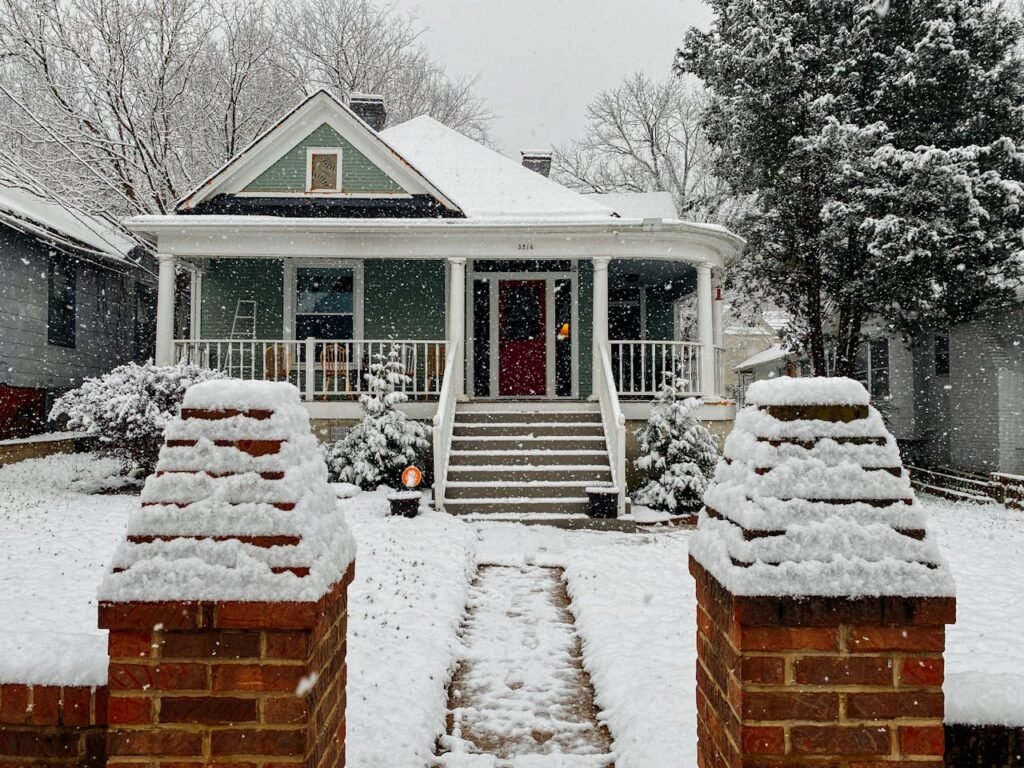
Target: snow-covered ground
{"type": "Point", "coordinates": [632, 598]}
{"type": "Point", "coordinates": [56, 541]}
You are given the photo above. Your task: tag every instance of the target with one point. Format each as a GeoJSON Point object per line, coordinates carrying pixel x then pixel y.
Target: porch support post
{"type": "Point", "coordinates": [457, 310]}
{"type": "Point", "coordinates": [716, 315]}
{"type": "Point", "coordinates": [600, 330]}
{"type": "Point", "coordinates": [165, 310]}
{"type": "Point", "coordinates": [705, 332]}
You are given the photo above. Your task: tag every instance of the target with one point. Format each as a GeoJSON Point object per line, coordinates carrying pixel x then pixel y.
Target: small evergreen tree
{"type": "Point", "coordinates": [677, 453]}
{"type": "Point", "coordinates": [386, 441]}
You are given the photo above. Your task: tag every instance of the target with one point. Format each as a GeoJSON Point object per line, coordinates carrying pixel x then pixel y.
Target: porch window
{"type": "Point", "coordinates": [61, 308]}
{"type": "Point", "coordinates": [324, 303]}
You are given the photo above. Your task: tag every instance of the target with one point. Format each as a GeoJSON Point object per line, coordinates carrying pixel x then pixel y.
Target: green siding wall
{"type": "Point", "coordinates": [404, 299]}
{"type": "Point", "coordinates": [225, 281]}
{"type": "Point", "coordinates": [358, 174]}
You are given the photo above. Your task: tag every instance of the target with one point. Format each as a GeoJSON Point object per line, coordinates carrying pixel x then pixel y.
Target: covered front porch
{"type": "Point", "coordinates": [530, 329]}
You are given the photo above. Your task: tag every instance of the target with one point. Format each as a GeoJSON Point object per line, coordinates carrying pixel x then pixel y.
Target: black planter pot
{"type": "Point", "coordinates": [405, 504]}
{"type": "Point", "coordinates": [604, 502]}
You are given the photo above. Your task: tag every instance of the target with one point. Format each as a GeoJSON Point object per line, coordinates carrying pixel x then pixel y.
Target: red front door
{"type": "Point", "coordinates": [522, 347]}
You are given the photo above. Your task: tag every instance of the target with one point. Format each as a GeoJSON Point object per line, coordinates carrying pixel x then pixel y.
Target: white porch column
{"type": "Point", "coordinates": [600, 330]}
{"type": "Point", "coordinates": [716, 309]}
{"type": "Point", "coordinates": [457, 309]}
{"type": "Point", "coordinates": [165, 311]}
{"type": "Point", "coordinates": [705, 332]}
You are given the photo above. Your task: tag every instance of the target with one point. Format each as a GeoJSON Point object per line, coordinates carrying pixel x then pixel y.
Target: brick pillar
{"type": "Point", "coordinates": [220, 682]}
{"type": "Point", "coordinates": [226, 605]}
{"type": "Point", "coordinates": [808, 651]}
{"type": "Point", "coordinates": [52, 725]}
{"type": "Point", "coordinates": [819, 681]}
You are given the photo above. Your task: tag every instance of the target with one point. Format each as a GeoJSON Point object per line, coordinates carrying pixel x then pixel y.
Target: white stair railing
{"type": "Point", "coordinates": [614, 421]}
{"type": "Point", "coordinates": [444, 420]}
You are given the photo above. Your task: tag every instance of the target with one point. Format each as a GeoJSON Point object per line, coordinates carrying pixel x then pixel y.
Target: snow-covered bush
{"type": "Point", "coordinates": [127, 409]}
{"type": "Point", "coordinates": [385, 441]}
{"type": "Point", "coordinates": [677, 453]}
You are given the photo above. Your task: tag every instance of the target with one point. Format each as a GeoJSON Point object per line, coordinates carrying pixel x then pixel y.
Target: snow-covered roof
{"type": "Point", "coordinates": [485, 183]}
{"type": "Point", "coordinates": [772, 354]}
{"type": "Point", "coordinates": [61, 224]}
{"type": "Point", "coordinates": [639, 205]}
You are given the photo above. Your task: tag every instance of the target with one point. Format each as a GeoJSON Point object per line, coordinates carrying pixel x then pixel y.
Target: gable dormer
{"type": "Point", "coordinates": [320, 160]}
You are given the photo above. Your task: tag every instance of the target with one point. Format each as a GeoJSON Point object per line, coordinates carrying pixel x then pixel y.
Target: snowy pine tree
{"type": "Point", "coordinates": [677, 453]}
{"type": "Point", "coordinates": [882, 141]}
{"type": "Point", "coordinates": [386, 441]}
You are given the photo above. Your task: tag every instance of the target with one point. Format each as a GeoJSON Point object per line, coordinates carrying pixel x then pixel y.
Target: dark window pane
{"type": "Point", "coordinates": [61, 307]}
{"type": "Point", "coordinates": [323, 290]}
{"type": "Point", "coordinates": [323, 326]}
{"type": "Point", "coordinates": [942, 355]}
{"type": "Point", "coordinates": [563, 338]}
{"type": "Point", "coordinates": [481, 338]}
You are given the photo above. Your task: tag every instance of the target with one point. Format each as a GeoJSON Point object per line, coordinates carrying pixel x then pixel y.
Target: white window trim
{"type": "Point", "coordinates": [310, 151]}
{"type": "Point", "coordinates": [291, 265]}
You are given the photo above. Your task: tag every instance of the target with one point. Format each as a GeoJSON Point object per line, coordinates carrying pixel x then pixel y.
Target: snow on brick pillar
{"type": "Point", "coordinates": [822, 601]}
{"type": "Point", "coordinates": [226, 605]}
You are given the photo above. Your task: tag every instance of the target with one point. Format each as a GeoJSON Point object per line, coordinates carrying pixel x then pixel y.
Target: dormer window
{"type": "Point", "coordinates": [323, 170]}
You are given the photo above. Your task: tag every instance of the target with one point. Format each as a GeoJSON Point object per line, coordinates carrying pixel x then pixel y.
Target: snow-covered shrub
{"type": "Point", "coordinates": [385, 441]}
{"type": "Point", "coordinates": [677, 453]}
{"type": "Point", "coordinates": [127, 409]}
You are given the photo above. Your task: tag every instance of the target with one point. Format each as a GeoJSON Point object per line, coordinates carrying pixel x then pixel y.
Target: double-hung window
{"type": "Point", "coordinates": [324, 302]}
{"type": "Point", "coordinates": [61, 306]}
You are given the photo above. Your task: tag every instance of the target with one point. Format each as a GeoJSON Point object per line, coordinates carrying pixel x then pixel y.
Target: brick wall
{"type": "Point", "coordinates": [197, 683]}
{"type": "Point", "coordinates": [45, 725]}
{"type": "Point", "coordinates": [819, 681]}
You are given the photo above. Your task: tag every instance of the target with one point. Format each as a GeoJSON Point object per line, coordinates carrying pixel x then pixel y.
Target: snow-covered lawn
{"type": "Point", "coordinates": [56, 541]}
{"type": "Point", "coordinates": [632, 598]}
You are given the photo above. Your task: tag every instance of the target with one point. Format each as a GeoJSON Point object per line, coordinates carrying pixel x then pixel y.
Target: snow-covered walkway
{"type": "Point", "coordinates": [520, 695]}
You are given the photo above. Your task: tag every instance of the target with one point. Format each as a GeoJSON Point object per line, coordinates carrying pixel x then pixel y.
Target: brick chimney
{"type": "Point", "coordinates": [537, 160]}
{"type": "Point", "coordinates": [370, 107]}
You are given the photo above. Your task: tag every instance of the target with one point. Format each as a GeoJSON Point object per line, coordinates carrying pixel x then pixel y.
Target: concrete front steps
{"type": "Point", "coordinates": [525, 458]}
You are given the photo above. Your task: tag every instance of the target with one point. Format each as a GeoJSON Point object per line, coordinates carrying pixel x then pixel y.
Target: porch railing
{"type": "Point", "coordinates": [328, 369]}
{"type": "Point", "coordinates": [719, 371]}
{"type": "Point", "coordinates": [444, 421]}
{"type": "Point", "coordinates": [638, 367]}
{"type": "Point", "coordinates": [614, 421]}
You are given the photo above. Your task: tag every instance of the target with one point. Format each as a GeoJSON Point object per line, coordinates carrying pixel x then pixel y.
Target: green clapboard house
{"type": "Point", "coordinates": [332, 239]}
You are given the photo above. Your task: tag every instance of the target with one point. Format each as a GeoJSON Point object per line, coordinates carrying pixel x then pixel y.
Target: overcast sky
{"type": "Point", "coordinates": [541, 61]}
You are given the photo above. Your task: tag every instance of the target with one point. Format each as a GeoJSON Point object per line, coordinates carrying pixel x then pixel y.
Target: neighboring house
{"type": "Point", "coordinates": [76, 300]}
{"type": "Point", "coordinates": [330, 240]}
{"type": "Point", "coordinates": [953, 400]}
